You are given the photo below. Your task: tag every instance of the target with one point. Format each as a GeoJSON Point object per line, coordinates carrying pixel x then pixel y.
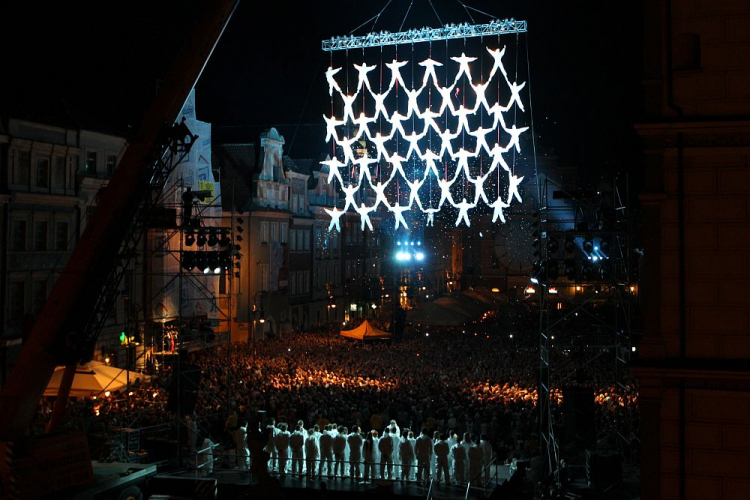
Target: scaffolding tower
{"type": "Point", "coordinates": [586, 274]}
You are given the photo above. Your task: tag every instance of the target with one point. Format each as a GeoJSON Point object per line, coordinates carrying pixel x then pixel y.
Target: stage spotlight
{"type": "Point", "coordinates": [201, 238]}
{"type": "Point", "coordinates": [239, 229]}
{"type": "Point", "coordinates": [224, 240]}
{"type": "Point", "coordinates": [238, 237]}
{"type": "Point", "coordinates": [419, 256]}
{"type": "Point", "coordinates": [605, 248]}
{"type": "Point", "coordinates": [189, 238]}
{"type": "Point", "coordinates": [188, 261]}
{"type": "Point", "coordinates": [553, 245]}
{"type": "Point", "coordinates": [240, 221]}
{"type": "Point", "coordinates": [588, 244]}
{"type": "Point", "coordinates": [237, 274]}
{"type": "Point", "coordinates": [213, 240]}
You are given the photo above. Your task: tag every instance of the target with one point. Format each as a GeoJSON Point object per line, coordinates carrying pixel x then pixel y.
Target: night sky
{"type": "Point", "coordinates": [105, 58]}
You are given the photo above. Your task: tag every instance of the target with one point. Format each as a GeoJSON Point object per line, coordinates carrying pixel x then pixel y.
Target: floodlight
{"type": "Point", "coordinates": [419, 256]}
{"type": "Point", "coordinates": [189, 239]}
{"type": "Point", "coordinates": [570, 246]}
{"type": "Point", "coordinates": [201, 238]}
{"type": "Point", "coordinates": [552, 245]}
{"type": "Point", "coordinates": [213, 240]}
{"type": "Point", "coordinates": [588, 244]}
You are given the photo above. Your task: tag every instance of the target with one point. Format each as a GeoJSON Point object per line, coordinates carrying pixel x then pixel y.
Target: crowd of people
{"type": "Point", "coordinates": [471, 381]}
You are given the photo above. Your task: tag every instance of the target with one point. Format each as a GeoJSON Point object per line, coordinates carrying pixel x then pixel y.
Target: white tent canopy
{"type": "Point", "coordinates": [92, 379]}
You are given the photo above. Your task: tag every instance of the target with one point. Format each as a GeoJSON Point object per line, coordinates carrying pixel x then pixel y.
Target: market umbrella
{"type": "Point", "coordinates": [92, 379]}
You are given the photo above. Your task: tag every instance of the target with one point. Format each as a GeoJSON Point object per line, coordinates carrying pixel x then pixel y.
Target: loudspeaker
{"type": "Point", "coordinates": [579, 425]}
{"type": "Point", "coordinates": [189, 385]}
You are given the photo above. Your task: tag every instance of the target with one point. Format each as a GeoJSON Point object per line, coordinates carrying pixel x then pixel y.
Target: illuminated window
{"type": "Point", "coordinates": [264, 232]}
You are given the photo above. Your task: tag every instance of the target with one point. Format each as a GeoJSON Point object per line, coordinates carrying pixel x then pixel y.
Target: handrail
{"type": "Point", "coordinates": [481, 475]}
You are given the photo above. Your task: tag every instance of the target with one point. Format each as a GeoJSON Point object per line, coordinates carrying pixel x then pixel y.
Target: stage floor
{"type": "Point", "coordinates": [232, 482]}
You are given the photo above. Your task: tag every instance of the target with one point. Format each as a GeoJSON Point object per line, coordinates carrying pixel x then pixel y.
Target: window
{"type": "Point", "coordinates": [22, 168]}
{"type": "Point", "coordinates": [40, 235]}
{"type": "Point", "coordinates": [61, 236]}
{"type": "Point", "coordinates": [300, 240]}
{"type": "Point", "coordinates": [293, 240]}
{"type": "Point", "coordinates": [42, 172]}
{"type": "Point", "coordinates": [306, 277]}
{"type": "Point", "coordinates": [284, 233]}
{"type": "Point", "coordinates": [319, 238]}
{"type": "Point", "coordinates": [307, 240]}
{"type": "Point", "coordinates": [264, 232]}
{"type": "Point", "coordinates": [18, 236]}
{"type": "Point", "coordinates": [111, 164]}
{"type": "Point", "coordinates": [73, 163]}
{"type": "Point", "coordinates": [90, 168]}
{"type": "Point", "coordinates": [38, 296]}
{"type": "Point", "coordinates": [16, 300]}
{"type": "Point", "coordinates": [58, 173]}
{"type": "Point", "coordinates": [275, 232]}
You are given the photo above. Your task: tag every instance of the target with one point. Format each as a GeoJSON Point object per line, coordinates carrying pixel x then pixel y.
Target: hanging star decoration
{"type": "Point", "coordinates": [429, 153]}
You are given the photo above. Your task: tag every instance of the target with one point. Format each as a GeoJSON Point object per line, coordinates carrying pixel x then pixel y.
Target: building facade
{"type": "Point", "coordinates": [693, 367]}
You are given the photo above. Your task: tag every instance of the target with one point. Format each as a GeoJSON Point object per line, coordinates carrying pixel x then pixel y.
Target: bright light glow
{"type": "Point", "coordinates": [418, 174]}
{"type": "Point", "coordinates": [633, 348]}
{"type": "Point", "coordinates": [495, 290]}
{"type": "Point", "coordinates": [419, 256]}
{"type": "Point", "coordinates": [530, 290]}
{"type": "Point", "coordinates": [535, 281]}
{"type": "Point", "coordinates": [107, 393]}
{"type": "Point", "coordinates": [553, 290]}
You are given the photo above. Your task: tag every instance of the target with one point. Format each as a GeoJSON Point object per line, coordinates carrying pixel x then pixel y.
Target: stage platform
{"type": "Point", "coordinates": [234, 483]}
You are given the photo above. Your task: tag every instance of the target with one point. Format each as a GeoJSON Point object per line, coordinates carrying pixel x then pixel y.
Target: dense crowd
{"type": "Point", "coordinates": [477, 381]}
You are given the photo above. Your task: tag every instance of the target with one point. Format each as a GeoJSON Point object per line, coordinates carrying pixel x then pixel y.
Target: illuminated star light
{"type": "Point", "coordinates": [380, 104]}
{"type": "Point", "coordinates": [515, 133]}
{"type": "Point", "coordinates": [346, 146]}
{"type": "Point", "coordinates": [429, 70]}
{"type": "Point", "coordinates": [379, 141]}
{"type": "Point", "coordinates": [362, 70]}
{"type": "Point", "coordinates": [414, 192]}
{"type": "Point", "coordinates": [497, 56]}
{"type": "Point", "coordinates": [463, 212]}
{"type": "Point", "coordinates": [333, 167]}
{"type": "Point", "coordinates": [332, 84]}
{"type": "Point", "coordinates": [431, 215]}
{"type": "Point", "coordinates": [395, 67]}
{"type": "Point", "coordinates": [479, 188]}
{"type": "Point", "coordinates": [497, 157]}
{"type": "Point", "coordinates": [463, 162]}
{"type": "Point", "coordinates": [513, 188]}
{"type": "Point", "coordinates": [515, 95]}
{"type": "Point", "coordinates": [498, 207]}
{"type": "Point", "coordinates": [350, 191]}
{"type": "Point", "coordinates": [396, 160]}
{"type": "Point", "coordinates": [364, 215]}
{"type": "Point", "coordinates": [463, 121]}
{"type": "Point", "coordinates": [335, 214]}
{"type": "Point", "coordinates": [413, 140]}
{"type": "Point", "coordinates": [445, 94]}
{"type": "Point", "coordinates": [380, 197]}
{"type": "Point", "coordinates": [445, 192]}
{"type": "Point", "coordinates": [398, 211]}
{"type": "Point", "coordinates": [348, 105]}
{"type": "Point", "coordinates": [413, 105]}
{"type": "Point", "coordinates": [331, 124]}
{"type": "Point", "coordinates": [446, 137]}
{"type": "Point", "coordinates": [364, 167]}
{"type": "Point", "coordinates": [479, 134]}
{"type": "Point", "coordinates": [463, 66]}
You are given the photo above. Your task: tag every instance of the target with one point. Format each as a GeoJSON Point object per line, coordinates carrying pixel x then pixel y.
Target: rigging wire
{"type": "Point", "coordinates": [406, 15]}
{"type": "Point", "coordinates": [436, 14]}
